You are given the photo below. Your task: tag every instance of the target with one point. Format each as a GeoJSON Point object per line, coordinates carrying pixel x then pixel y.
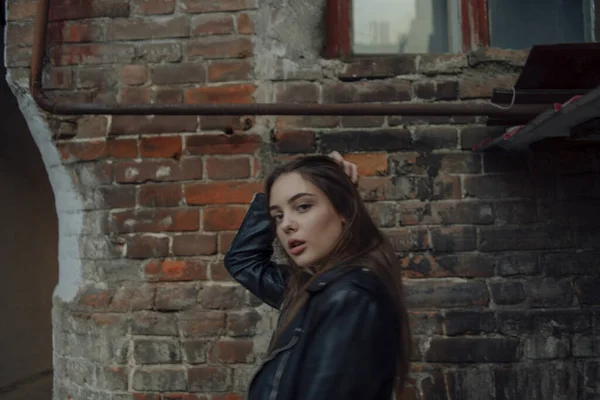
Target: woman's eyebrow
{"type": "Point", "coordinates": [293, 198]}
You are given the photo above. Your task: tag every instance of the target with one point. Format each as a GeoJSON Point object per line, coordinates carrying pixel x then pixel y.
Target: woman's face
{"type": "Point", "coordinates": [308, 226]}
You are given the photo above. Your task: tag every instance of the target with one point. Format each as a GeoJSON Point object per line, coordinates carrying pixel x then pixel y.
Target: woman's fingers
{"type": "Point", "coordinates": [349, 168]}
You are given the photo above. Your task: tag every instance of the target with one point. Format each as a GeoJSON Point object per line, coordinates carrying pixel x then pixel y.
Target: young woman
{"type": "Point", "coordinates": [343, 331]}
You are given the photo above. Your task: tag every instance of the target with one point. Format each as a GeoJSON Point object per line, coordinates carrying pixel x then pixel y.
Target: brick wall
{"type": "Point", "coordinates": [498, 249]}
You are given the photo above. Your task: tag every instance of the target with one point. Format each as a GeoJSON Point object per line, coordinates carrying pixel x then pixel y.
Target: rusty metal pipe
{"type": "Point", "coordinates": [407, 109]}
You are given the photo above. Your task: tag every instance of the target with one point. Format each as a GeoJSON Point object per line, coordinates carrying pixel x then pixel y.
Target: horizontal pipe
{"type": "Point", "coordinates": [407, 109]}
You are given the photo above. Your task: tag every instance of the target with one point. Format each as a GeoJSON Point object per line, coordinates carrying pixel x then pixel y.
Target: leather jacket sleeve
{"type": "Point", "coordinates": [248, 259]}
{"type": "Point", "coordinates": [350, 353]}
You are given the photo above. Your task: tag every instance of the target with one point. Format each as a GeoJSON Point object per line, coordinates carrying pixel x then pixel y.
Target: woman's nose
{"type": "Point", "coordinates": [289, 225]}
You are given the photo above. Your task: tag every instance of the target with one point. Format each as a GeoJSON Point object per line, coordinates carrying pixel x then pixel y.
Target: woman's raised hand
{"type": "Point", "coordinates": [349, 168]}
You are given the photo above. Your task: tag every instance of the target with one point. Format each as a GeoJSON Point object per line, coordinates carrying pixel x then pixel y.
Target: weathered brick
{"type": "Point", "coordinates": [469, 322]}
{"type": "Point", "coordinates": [516, 212]}
{"type": "Point", "coordinates": [295, 141]}
{"type": "Point", "coordinates": [135, 125]}
{"type": "Point", "coordinates": [194, 351]}
{"type": "Point", "coordinates": [156, 351]}
{"type": "Point", "coordinates": [96, 78]}
{"type": "Point", "coordinates": [168, 95]}
{"type": "Point", "coordinates": [499, 186]}
{"type": "Point", "coordinates": [135, 29]}
{"type": "Point", "coordinates": [18, 10]}
{"type": "Point", "coordinates": [170, 74]}
{"type": "Point", "coordinates": [80, 9]}
{"type": "Point", "coordinates": [218, 272]}
{"type": "Point", "coordinates": [524, 322]}
{"type": "Point", "coordinates": [175, 271]}
{"type": "Point", "coordinates": [440, 293]}
{"type": "Point", "coordinates": [245, 24]}
{"type": "Point", "coordinates": [194, 245]}
{"type": "Point", "coordinates": [362, 121]}
{"type": "Point", "coordinates": [518, 264]}
{"type": "Point", "coordinates": [83, 151]}
{"type": "Point", "coordinates": [296, 93]}
{"type": "Point", "coordinates": [175, 296]}
{"type": "Point", "coordinates": [159, 52]}
{"type": "Point", "coordinates": [160, 379]}
{"type": "Point", "coordinates": [135, 95]}
{"type": "Point", "coordinates": [161, 195]}
{"type": "Point", "coordinates": [426, 323]}
{"type": "Point", "coordinates": [446, 187]}
{"type": "Point", "coordinates": [158, 171]}
{"type": "Point", "coordinates": [433, 64]}
{"type": "Point", "coordinates": [156, 220]}
{"type": "Point", "coordinates": [122, 148]}
{"type": "Point", "coordinates": [355, 141]}
{"type": "Point", "coordinates": [384, 214]}
{"type": "Point", "coordinates": [212, 24]}
{"type": "Point", "coordinates": [454, 212]}
{"type": "Point", "coordinates": [208, 378]}
{"type": "Point", "coordinates": [92, 127]}
{"type": "Point", "coordinates": [367, 91]}
{"type": "Point", "coordinates": [453, 239]}
{"type": "Point", "coordinates": [92, 54]}
{"type": "Point", "coordinates": [311, 121]}
{"type": "Point", "coordinates": [426, 138]}
{"type": "Point", "coordinates": [473, 350]}
{"type": "Point", "coordinates": [408, 239]}
{"type": "Point", "coordinates": [230, 70]}
{"type": "Point", "coordinates": [112, 377]}
{"type": "Point", "coordinates": [154, 324]}
{"type": "Point", "coordinates": [58, 78]}
{"type": "Point", "coordinates": [18, 33]}
{"type": "Point", "coordinates": [232, 351]}
{"type": "Point", "coordinates": [134, 74]}
{"type": "Point", "coordinates": [507, 293]}
{"type": "Point", "coordinates": [225, 94]}
{"type": "Point", "coordinates": [217, 297]}
{"type": "Point", "coordinates": [75, 32]}
{"type": "Point", "coordinates": [432, 90]}
{"type": "Point", "coordinates": [136, 298]}
{"type": "Point", "coordinates": [222, 218]}
{"type": "Point", "coordinates": [203, 6]}
{"type": "Point", "coordinates": [547, 346]}
{"type": "Point", "coordinates": [242, 323]}
{"type": "Point", "coordinates": [550, 292]}
{"type": "Point", "coordinates": [152, 7]}
{"type": "Point", "coordinates": [161, 147]}
{"type": "Point", "coordinates": [201, 323]}
{"type": "Point", "coordinates": [145, 246]}
{"type": "Point", "coordinates": [386, 67]}
{"type": "Point", "coordinates": [227, 168]}
{"type": "Point", "coordinates": [219, 47]}
{"type": "Point", "coordinates": [222, 144]}
{"type": "Point", "coordinates": [482, 86]}
{"type": "Point", "coordinates": [18, 56]}
{"type": "Point", "coordinates": [459, 383]}
{"type": "Point", "coordinates": [525, 238]}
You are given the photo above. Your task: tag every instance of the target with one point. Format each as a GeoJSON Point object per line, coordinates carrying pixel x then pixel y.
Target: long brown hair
{"type": "Point", "coordinates": [360, 244]}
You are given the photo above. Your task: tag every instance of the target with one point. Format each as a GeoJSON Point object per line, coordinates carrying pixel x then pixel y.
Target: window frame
{"type": "Point", "coordinates": [474, 29]}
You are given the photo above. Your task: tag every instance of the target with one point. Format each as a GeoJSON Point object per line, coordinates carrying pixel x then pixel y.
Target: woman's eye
{"type": "Point", "coordinates": [304, 207]}
{"type": "Point", "coordinates": [277, 217]}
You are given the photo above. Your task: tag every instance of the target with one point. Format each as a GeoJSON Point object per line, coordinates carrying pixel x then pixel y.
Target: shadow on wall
{"type": "Point", "coordinates": [28, 257]}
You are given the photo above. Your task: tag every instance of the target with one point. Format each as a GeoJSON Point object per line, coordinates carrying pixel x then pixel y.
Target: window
{"type": "Point", "coordinates": [371, 27]}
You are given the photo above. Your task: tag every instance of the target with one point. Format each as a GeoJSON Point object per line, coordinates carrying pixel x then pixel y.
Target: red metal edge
{"type": "Point", "coordinates": [339, 28]}
{"type": "Point", "coordinates": [474, 24]}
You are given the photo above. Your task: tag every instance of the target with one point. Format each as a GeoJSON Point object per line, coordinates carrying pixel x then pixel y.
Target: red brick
{"type": "Point", "coordinates": [20, 33]}
{"type": "Point", "coordinates": [296, 93]}
{"type": "Point", "coordinates": [295, 141]}
{"type": "Point", "coordinates": [222, 144]}
{"type": "Point", "coordinates": [175, 270]}
{"type": "Point", "coordinates": [227, 168]}
{"type": "Point", "coordinates": [194, 245]}
{"type": "Point", "coordinates": [226, 94]}
{"type": "Point", "coordinates": [185, 396]}
{"type": "Point", "coordinates": [208, 378]}
{"type": "Point", "coordinates": [93, 298]}
{"type": "Point", "coordinates": [220, 193]}
{"type": "Point", "coordinates": [156, 220]}
{"type": "Point", "coordinates": [369, 164]}
{"type": "Point", "coordinates": [23, 9]}
{"type": "Point", "coordinates": [225, 240]}
{"type": "Point", "coordinates": [242, 323]}
{"type": "Point", "coordinates": [147, 246]}
{"type": "Point", "coordinates": [75, 54]}
{"type": "Point", "coordinates": [308, 121]}
{"type": "Point", "coordinates": [226, 123]}
{"type": "Point", "coordinates": [220, 47]}
{"type": "Point", "coordinates": [136, 125]}
{"type": "Point", "coordinates": [81, 9]}
{"type": "Point", "coordinates": [161, 195]}
{"type": "Point", "coordinates": [227, 396]}
{"type": "Point", "coordinates": [202, 323]}
{"type": "Point", "coordinates": [212, 24]}
{"type": "Point", "coordinates": [245, 24]}
{"type": "Point", "coordinates": [82, 151]}
{"type": "Point", "coordinates": [159, 52]}
{"type": "Point", "coordinates": [205, 6]}
{"type": "Point", "coordinates": [135, 298]}
{"type": "Point", "coordinates": [115, 196]}
{"type": "Point", "coordinates": [96, 77]}
{"type": "Point", "coordinates": [75, 32]}
{"type": "Point", "coordinates": [235, 70]}
{"type": "Point", "coordinates": [135, 29]}
{"type": "Point", "coordinates": [218, 272]}
{"type": "Point", "coordinates": [158, 171]}
{"type": "Point", "coordinates": [223, 218]}
{"type": "Point", "coordinates": [135, 74]}
{"type": "Point", "coordinates": [153, 7]}
{"type": "Point", "coordinates": [168, 96]}
{"type": "Point", "coordinates": [483, 86]}
{"type": "Point", "coordinates": [161, 146]}
{"type": "Point", "coordinates": [124, 148]}
{"type": "Point", "coordinates": [135, 95]}
{"type": "Point", "coordinates": [92, 126]}
{"type": "Point", "coordinates": [171, 297]}
{"type": "Point", "coordinates": [232, 351]}
{"type": "Point", "coordinates": [170, 74]}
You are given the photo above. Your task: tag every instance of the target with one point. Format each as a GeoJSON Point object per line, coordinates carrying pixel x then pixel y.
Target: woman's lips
{"type": "Point", "coordinates": [297, 249]}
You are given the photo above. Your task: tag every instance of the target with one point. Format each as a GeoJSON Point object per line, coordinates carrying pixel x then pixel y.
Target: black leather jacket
{"type": "Point", "coordinates": [341, 345]}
